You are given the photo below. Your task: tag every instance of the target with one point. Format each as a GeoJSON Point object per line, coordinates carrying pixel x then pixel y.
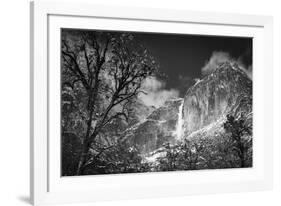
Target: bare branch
{"type": "Point", "coordinates": [77, 71]}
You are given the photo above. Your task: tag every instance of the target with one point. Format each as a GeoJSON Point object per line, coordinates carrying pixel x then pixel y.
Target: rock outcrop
{"type": "Point", "coordinates": [159, 127]}
{"type": "Point", "coordinates": [202, 111]}
{"type": "Point", "coordinates": [227, 90]}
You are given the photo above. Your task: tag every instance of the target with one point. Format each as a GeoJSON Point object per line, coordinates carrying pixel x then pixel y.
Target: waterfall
{"type": "Point", "coordinates": [179, 127]}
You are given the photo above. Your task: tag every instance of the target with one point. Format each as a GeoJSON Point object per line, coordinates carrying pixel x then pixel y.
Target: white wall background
{"type": "Point", "coordinates": [14, 100]}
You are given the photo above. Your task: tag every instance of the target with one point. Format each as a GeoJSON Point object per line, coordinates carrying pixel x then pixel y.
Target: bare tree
{"type": "Point", "coordinates": [104, 67]}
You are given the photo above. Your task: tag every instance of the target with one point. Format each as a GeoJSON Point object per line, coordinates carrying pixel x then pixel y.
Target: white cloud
{"type": "Point", "coordinates": [248, 71]}
{"type": "Point", "coordinates": [219, 57]}
{"type": "Point", "coordinates": [156, 94]}
{"type": "Point", "coordinates": [152, 84]}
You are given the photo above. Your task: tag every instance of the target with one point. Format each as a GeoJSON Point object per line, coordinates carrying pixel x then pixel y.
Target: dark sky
{"type": "Point", "coordinates": [184, 55]}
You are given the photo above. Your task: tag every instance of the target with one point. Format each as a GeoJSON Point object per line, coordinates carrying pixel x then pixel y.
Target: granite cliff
{"type": "Point", "coordinates": [201, 112]}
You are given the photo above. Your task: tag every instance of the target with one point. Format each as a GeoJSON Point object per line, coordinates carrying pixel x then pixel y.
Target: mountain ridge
{"type": "Point", "coordinates": [227, 90]}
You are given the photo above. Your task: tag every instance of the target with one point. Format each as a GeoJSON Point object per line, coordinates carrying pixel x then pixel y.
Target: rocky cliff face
{"type": "Point", "coordinates": [227, 90]}
{"type": "Point", "coordinates": [139, 112]}
{"type": "Point", "coordinates": [159, 127]}
{"type": "Point", "coordinates": [202, 111]}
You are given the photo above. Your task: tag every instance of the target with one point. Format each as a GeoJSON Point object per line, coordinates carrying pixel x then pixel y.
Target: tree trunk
{"type": "Point", "coordinates": [85, 145]}
{"type": "Point", "coordinates": [242, 154]}
{"type": "Point", "coordinates": [82, 159]}
{"type": "Point", "coordinates": [242, 159]}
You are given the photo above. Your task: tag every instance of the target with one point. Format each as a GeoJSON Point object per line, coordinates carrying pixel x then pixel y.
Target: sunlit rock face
{"type": "Point", "coordinates": [227, 90]}
{"type": "Point", "coordinates": [139, 112]}
{"type": "Point", "coordinates": [159, 127]}
{"type": "Point", "coordinates": [201, 112]}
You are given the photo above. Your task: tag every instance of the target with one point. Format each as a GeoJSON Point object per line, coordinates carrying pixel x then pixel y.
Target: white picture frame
{"type": "Point", "coordinates": [46, 184]}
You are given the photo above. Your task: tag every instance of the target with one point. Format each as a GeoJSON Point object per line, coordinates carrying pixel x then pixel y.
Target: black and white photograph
{"type": "Point", "coordinates": [137, 102]}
